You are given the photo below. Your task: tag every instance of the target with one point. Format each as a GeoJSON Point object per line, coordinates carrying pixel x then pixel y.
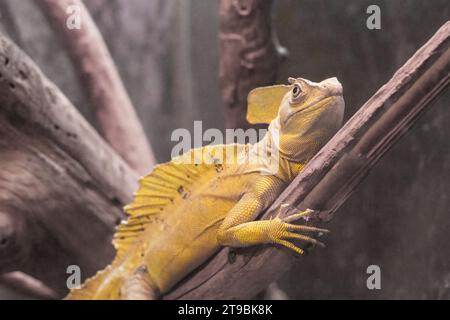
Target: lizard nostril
{"type": "Point", "coordinates": [333, 86]}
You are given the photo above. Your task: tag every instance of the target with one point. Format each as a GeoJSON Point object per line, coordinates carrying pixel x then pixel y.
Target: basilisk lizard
{"type": "Point", "coordinates": [187, 209]}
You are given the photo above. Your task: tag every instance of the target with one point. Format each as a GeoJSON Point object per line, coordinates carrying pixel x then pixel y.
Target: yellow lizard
{"type": "Point", "coordinates": [187, 209]}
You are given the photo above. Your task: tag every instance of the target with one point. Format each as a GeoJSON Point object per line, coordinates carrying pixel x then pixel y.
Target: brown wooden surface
{"type": "Point", "coordinates": [61, 186]}
{"type": "Point", "coordinates": [27, 285]}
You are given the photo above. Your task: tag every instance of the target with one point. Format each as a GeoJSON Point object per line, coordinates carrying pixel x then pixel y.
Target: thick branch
{"type": "Point", "coordinates": [27, 285]}
{"type": "Point", "coordinates": [115, 113]}
{"type": "Point", "coordinates": [333, 174]}
{"type": "Point", "coordinates": [249, 54]}
{"type": "Point", "coordinates": [62, 187]}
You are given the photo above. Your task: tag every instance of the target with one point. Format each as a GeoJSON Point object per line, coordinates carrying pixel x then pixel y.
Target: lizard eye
{"type": "Point", "coordinates": [296, 91]}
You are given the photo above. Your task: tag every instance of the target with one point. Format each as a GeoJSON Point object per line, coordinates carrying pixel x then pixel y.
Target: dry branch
{"type": "Point", "coordinates": [249, 54]}
{"type": "Point", "coordinates": [27, 285]}
{"type": "Point", "coordinates": [333, 174]}
{"type": "Point", "coordinates": [115, 113]}
{"type": "Point", "coordinates": [61, 186]}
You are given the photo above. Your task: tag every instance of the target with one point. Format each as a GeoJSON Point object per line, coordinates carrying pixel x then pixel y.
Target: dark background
{"type": "Point", "coordinates": [397, 219]}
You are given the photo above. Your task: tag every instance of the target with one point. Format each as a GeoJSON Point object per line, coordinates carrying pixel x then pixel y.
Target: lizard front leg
{"type": "Point", "coordinates": [238, 229]}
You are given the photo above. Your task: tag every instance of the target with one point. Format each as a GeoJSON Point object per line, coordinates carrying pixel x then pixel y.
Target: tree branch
{"type": "Point", "coordinates": [58, 179]}
{"type": "Point", "coordinates": [333, 174]}
{"type": "Point", "coordinates": [27, 285]}
{"type": "Point", "coordinates": [116, 115]}
{"type": "Point", "coordinates": [249, 54]}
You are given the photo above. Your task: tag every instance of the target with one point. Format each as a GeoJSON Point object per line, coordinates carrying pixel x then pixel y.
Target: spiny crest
{"type": "Point", "coordinates": [167, 186]}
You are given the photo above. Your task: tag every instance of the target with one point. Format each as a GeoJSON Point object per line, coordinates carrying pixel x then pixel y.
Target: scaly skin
{"type": "Point", "coordinates": [221, 207]}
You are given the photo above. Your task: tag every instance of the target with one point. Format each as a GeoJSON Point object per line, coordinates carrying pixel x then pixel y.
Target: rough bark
{"type": "Point", "coordinates": [115, 113]}
{"type": "Point", "coordinates": [61, 186]}
{"type": "Point", "coordinates": [249, 54]}
{"type": "Point", "coordinates": [333, 174]}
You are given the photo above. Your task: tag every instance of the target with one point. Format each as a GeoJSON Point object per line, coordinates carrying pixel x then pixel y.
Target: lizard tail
{"type": "Point", "coordinates": [107, 286]}
{"type": "Point", "coordinates": [90, 287]}
{"type": "Point", "coordinates": [139, 286]}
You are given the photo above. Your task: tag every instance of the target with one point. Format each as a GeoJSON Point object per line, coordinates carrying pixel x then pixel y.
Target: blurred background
{"type": "Point", "coordinates": [167, 54]}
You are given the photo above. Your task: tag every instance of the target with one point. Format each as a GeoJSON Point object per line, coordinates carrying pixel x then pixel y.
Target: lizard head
{"type": "Point", "coordinates": [305, 113]}
{"type": "Point", "coordinates": [308, 106]}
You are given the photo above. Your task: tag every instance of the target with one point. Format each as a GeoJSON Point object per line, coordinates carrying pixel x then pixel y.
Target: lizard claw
{"type": "Point", "coordinates": [306, 215]}
{"type": "Point", "coordinates": [290, 231]}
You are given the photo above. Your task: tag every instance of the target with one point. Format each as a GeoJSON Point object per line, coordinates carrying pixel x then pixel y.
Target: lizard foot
{"type": "Point", "coordinates": [283, 232]}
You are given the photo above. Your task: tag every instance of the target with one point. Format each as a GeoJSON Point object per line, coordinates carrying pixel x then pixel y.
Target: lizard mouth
{"type": "Point", "coordinates": [313, 105]}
